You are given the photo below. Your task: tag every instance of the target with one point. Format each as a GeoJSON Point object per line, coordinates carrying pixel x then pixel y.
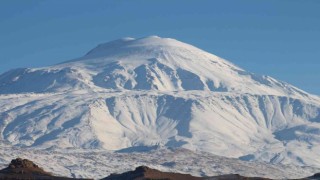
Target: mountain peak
{"type": "Point", "coordinates": [131, 44]}
{"type": "Point", "coordinates": [149, 63]}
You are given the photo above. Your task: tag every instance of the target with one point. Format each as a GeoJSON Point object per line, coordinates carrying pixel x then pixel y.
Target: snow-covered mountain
{"type": "Point", "coordinates": [130, 94]}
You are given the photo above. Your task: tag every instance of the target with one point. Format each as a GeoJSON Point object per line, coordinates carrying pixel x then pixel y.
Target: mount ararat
{"type": "Point", "coordinates": [137, 94]}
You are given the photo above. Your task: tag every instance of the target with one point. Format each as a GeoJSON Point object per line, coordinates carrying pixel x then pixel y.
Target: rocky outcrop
{"type": "Point", "coordinates": [24, 169]}
{"type": "Point", "coordinates": [146, 173]}
{"type": "Point", "coordinates": [24, 166]}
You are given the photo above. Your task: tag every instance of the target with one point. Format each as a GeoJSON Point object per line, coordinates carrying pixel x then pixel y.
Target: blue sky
{"type": "Point", "coordinates": [280, 38]}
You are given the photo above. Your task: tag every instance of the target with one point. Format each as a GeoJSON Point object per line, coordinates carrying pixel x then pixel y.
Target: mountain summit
{"type": "Point", "coordinates": [151, 63]}
{"type": "Point", "coordinates": [132, 94]}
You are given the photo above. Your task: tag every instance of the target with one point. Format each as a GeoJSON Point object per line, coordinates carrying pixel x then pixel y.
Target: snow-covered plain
{"type": "Point", "coordinates": [134, 93]}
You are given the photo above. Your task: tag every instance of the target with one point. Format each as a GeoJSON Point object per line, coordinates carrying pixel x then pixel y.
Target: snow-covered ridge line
{"type": "Point", "coordinates": [153, 63]}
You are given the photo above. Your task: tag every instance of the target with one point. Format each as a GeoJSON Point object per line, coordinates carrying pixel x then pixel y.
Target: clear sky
{"type": "Point", "coordinates": [280, 38]}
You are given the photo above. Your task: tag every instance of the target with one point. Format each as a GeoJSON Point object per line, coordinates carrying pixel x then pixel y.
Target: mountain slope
{"type": "Point", "coordinates": [130, 94]}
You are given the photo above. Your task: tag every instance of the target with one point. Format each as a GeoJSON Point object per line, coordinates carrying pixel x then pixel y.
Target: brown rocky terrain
{"type": "Point", "coordinates": [143, 172]}
{"type": "Point", "coordinates": [146, 173]}
{"type": "Point", "coordinates": [24, 169]}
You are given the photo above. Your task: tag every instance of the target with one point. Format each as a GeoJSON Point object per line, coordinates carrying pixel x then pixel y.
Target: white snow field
{"type": "Point", "coordinates": [132, 94]}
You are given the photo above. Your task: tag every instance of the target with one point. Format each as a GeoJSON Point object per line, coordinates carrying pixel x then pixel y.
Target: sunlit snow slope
{"type": "Point", "coordinates": [132, 93]}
